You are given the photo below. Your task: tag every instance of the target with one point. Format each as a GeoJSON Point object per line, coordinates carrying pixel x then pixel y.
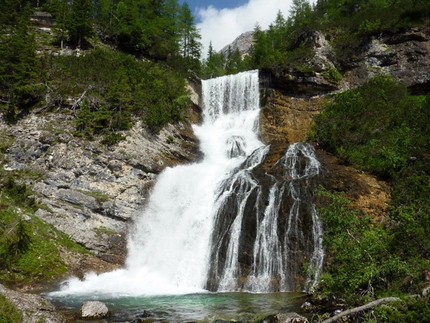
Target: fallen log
{"type": "Point", "coordinates": [361, 308]}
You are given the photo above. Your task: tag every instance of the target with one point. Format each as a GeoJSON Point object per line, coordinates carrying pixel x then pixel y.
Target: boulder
{"type": "Point", "coordinates": [94, 309]}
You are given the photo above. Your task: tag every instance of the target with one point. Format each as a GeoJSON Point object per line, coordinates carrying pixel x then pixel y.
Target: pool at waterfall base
{"type": "Point", "coordinates": [202, 307]}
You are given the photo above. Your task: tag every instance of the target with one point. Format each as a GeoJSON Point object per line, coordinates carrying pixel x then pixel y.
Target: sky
{"type": "Point", "coordinates": [222, 21]}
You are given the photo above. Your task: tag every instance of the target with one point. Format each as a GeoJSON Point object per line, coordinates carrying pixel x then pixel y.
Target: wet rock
{"type": "Point", "coordinates": [146, 314]}
{"type": "Point", "coordinates": [94, 309]}
{"type": "Point", "coordinates": [286, 119]}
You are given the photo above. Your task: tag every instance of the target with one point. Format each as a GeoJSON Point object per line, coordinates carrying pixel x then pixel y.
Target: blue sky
{"type": "Point", "coordinates": [222, 21]}
{"type": "Point", "coordinates": [220, 4]}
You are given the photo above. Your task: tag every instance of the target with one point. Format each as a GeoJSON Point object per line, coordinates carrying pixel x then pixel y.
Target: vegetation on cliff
{"type": "Point", "coordinates": [29, 248]}
{"type": "Point", "coordinates": [379, 128]}
{"type": "Point", "coordinates": [348, 25]}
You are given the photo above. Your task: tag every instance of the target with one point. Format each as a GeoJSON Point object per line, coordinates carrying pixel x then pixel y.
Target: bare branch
{"type": "Point", "coordinates": [361, 308]}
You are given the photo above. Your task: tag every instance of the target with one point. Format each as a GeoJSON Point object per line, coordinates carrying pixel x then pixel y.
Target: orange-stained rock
{"type": "Point", "coordinates": [287, 119]}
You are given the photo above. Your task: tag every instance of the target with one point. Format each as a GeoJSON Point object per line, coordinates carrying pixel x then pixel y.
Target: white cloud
{"type": "Point", "coordinates": [222, 26]}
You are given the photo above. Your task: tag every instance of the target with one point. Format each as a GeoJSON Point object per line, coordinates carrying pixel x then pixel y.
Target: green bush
{"type": "Point", "coordinates": [380, 128]}
{"type": "Point", "coordinates": [375, 127]}
{"type": "Point", "coordinates": [119, 88]}
{"type": "Point", "coordinates": [113, 138]}
{"type": "Point", "coordinates": [410, 309]}
{"type": "Point", "coordinates": [29, 247]}
{"type": "Point", "coordinates": [359, 263]}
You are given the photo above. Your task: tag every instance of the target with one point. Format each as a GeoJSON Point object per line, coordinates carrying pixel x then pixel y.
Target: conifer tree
{"type": "Point", "coordinates": [17, 57]}
{"type": "Point", "coordinates": [214, 64]}
{"type": "Point", "coordinates": [190, 38]}
{"type": "Point", "coordinates": [79, 23]}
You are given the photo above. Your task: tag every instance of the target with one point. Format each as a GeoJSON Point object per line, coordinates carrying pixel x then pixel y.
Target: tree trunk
{"type": "Point", "coordinates": [361, 308]}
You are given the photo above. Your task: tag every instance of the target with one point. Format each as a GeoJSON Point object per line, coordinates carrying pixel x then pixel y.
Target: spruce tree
{"type": "Point", "coordinates": [18, 64]}
{"type": "Point", "coordinates": [79, 23]}
{"type": "Point", "coordinates": [190, 38]}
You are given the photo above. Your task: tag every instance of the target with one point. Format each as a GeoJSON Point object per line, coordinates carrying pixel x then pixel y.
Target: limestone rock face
{"type": "Point", "coordinates": [243, 43]}
{"type": "Point", "coordinates": [90, 191]}
{"type": "Point", "coordinates": [34, 308]}
{"type": "Point", "coordinates": [404, 55]}
{"type": "Point", "coordinates": [94, 309]}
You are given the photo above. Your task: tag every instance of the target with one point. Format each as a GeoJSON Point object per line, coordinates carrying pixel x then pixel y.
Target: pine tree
{"type": "Point", "coordinates": [60, 10]}
{"type": "Point", "coordinates": [190, 38]}
{"type": "Point", "coordinates": [18, 65]}
{"type": "Point", "coordinates": [79, 23]}
{"type": "Point", "coordinates": [214, 64]}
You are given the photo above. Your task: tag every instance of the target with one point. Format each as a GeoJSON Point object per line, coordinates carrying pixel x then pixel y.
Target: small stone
{"type": "Point", "coordinates": [306, 306]}
{"type": "Point", "coordinates": [286, 318]}
{"type": "Point", "coordinates": [94, 309]}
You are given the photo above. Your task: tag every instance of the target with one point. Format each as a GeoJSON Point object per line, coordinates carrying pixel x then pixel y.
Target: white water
{"type": "Point", "coordinates": [169, 249]}
{"type": "Point", "coordinates": [279, 244]}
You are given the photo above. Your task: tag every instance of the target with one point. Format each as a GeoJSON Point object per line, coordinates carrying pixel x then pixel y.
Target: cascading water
{"type": "Point", "coordinates": [266, 225]}
{"type": "Point", "coordinates": [223, 224]}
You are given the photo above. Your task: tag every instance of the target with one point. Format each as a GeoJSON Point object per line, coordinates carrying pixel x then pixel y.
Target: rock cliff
{"type": "Point", "coordinates": [403, 55]}
{"type": "Point", "coordinates": [291, 99]}
{"type": "Point", "coordinates": [88, 190]}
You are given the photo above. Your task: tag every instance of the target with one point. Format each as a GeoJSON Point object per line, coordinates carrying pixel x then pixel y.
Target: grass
{"type": "Point", "coordinates": [100, 231]}
{"type": "Point", "coordinates": [8, 312]}
{"type": "Point", "coordinates": [99, 196]}
{"type": "Point", "coordinates": [29, 247]}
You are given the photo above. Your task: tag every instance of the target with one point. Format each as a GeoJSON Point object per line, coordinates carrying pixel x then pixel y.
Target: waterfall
{"type": "Point", "coordinates": [266, 225]}
{"type": "Point", "coordinates": [223, 224]}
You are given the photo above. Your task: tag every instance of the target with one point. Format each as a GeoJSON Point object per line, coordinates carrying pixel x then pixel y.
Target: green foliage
{"type": "Point", "coordinates": [15, 238]}
{"type": "Point", "coordinates": [347, 24]}
{"type": "Point", "coordinates": [79, 21]}
{"type": "Point", "coordinates": [411, 211]}
{"type": "Point", "coordinates": [213, 66]}
{"type": "Point", "coordinates": [375, 127]}
{"type": "Point", "coordinates": [18, 65]}
{"type": "Point", "coordinates": [333, 75]}
{"type": "Point", "coordinates": [18, 194]}
{"type": "Point", "coordinates": [8, 312]}
{"type": "Point", "coordinates": [190, 39]}
{"type": "Point", "coordinates": [160, 30]}
{"type": "Point", "coordinates": [119, 88]}
{"type": "Point", "coordinates": [378, 127]}
{"type": "Point", "coordinates": [112, 139]}
{"type": "Point", "coordinates": [28, 246]}
{"type": "Point", "coordinates": [411, 309]}
{"type": "Point", "coordinates": [359, 262]}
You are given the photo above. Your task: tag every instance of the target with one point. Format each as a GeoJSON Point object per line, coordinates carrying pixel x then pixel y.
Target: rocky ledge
{"type": "Point", "coordinates": [34, 308]}
{"type": "Point", "coordinates": [403, 55]}
{"type": "Point", "coordinates": [89, 190]}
